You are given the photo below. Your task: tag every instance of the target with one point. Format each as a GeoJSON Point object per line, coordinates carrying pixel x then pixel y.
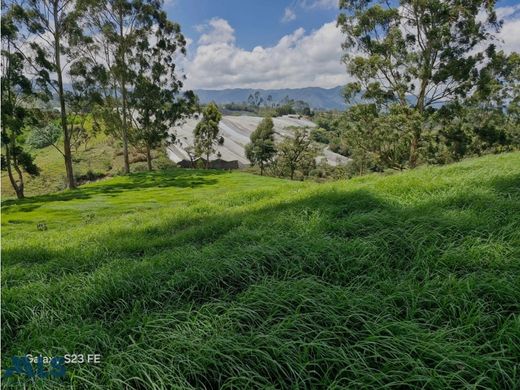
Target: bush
{"type": "Point", "coordinates": [163, 162]}
{"type": "Point", "coordinates": [325, 171]}
{"type": "Point", "coordinates": [89, 176]}
{"type": "Point", "coordinates": [41, 137]}
{"type": "Point", "coordinates": [320, 135]}
{"type": "Point", "coordinates": [286, 109]}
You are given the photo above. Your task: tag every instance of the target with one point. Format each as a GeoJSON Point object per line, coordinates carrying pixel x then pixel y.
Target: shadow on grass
{"type": "Point", "coordinates": [361, 214]}
{"type": "Point", "coordinates": [343, 214]}
{"type": "Point", "coordinates": [134, 182]}
{"type": "Point", "coordinates": [508, 186]}
{"type": "Point", "coordinates": [342, 238]}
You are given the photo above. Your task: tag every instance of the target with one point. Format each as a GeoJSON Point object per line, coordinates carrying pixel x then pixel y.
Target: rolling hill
{"type": "Point", "coordinates": [186, 279]}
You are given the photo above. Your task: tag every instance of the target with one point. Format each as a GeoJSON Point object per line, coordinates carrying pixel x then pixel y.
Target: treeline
{"type": "Point", "coordinates": [433, 85]}
{"type": "Point", "coordinates": [400, 138]}
{"type": "Point", "coordinates": [267, 107]}
{"type": "Point", "coordinates": [291, 157]}
{"type": "Point", "coordinates": [108, 62]}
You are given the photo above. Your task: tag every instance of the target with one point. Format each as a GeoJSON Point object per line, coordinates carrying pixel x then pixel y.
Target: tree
{"type": "Point", "coordinates": [394, 136]}
{"type": "Point", "coordinates": [119, 29]}
{"type": "Point", "coordinates": [296, 153]}
{"type": "Point", "coordinates": [52, 30]}
{"type": "Point", "coordinates": [284, 109]}
{"type": "Point", "coordinates": [262, 148]}
{"type": "Point", "coordinates": [155, 110]}
{"type": "Point", "coordinates": [43, 136]}
{"type": "Point", "coordinates": [498, 94]}
{"type": "Point", "coordinates": [190, 151]}
{"type": "Point", "coordinates": [155, 102]}
{"type": "Point", "coordinates": [486, 121]}
{"type": "Point", "coordinates": [150, 105]}
{"type": "Point", "coordinates": [376, 139]}
{"type": "Point", "coordinates": [207, 132]}
{"type": "Point", "coordinates": [359, 128]}
{"type": "Point", "coordinates": [16, 92]}
{"type": "Point", "coordinates": [416, 53]}
{"type": "Point", "coordinates": [255, 99]}
{"type": "Point", "coordinates": [184, 144]}
{"type": "Point", "coordinates": [83, 99]}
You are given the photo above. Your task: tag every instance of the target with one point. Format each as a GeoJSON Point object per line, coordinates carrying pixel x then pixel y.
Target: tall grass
{"type": "Point", "coordinates": [193, 279]}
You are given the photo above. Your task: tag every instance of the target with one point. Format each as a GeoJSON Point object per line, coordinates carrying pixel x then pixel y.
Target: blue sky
{"type": "Point", "coordinates": [276, 43]}
{"type": "Point", "coordinates": [257, 22]}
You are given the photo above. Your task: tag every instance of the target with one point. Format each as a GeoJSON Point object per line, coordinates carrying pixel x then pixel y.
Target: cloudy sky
{"type": "Point", "coordinates": [276, 43]}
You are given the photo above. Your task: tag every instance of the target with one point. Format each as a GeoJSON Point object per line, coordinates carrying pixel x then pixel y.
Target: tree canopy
{"type": "Point", "coordinates": [416, 53]}
{"type": "Point", "coordinates": [207, 132]}
{"type": "Point", "coordinates": [262, 148]}
{"type": "Point", "coordinates": [17, 92]}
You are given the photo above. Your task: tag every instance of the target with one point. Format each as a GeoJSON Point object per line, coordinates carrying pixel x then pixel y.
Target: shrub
{"type": "Point", "coordinates": [41, 137]}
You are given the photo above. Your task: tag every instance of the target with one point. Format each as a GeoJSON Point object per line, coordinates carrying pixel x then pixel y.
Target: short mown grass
{"type": "Point", "coordinates": [206, 280]}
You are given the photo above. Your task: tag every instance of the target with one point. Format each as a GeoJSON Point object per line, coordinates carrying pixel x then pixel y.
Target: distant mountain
{"type": "Point", "coordinates": [317, 98]}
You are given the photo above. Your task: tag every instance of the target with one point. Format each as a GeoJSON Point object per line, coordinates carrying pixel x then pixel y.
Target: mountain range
{"type": "Point", "coordinates": [317, 98]}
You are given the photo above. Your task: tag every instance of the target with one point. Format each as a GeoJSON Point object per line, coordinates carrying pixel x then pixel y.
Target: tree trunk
{"type": "Point", "coordinates": [125, 127]}
{"type": "Point", "coordinates": [207, 161]}
{"type": "Point", "coordinates": [123, 94]}
{"type": "Point", "coordinates": [67, 154]}
{"type": "Point", "coordinates": [68, 158]}
{"type": "Point", "coordinates": [414, 146]}
{"type": "Point", "coordinates": [419, 106]}
{"type": "Point", "coordinates": [413, 151]}
{"type": "Point", "coordinates": [261, 169]}
{"type": "Point", "coordinates": [148, 157]}
{"type": "Point", "coordinates": [18, 189]}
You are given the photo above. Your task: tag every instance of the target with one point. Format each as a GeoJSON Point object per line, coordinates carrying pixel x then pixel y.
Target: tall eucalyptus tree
{"type": "Point", "coordinates": [17, 93]}
{"type": "Point", "coordinates": [119, 29]}
{"type": "Point", "coordinates": [416, 53]}
{"type": "Point", "coordinates": [50, 30]}
{"type": "Point", "coordinates": [156, 102]}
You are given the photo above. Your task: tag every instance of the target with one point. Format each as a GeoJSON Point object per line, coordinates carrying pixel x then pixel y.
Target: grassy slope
{"type": "Point", "coordinates": [208, 279]}
{"type": "Point", "coordinates": [102, 156]}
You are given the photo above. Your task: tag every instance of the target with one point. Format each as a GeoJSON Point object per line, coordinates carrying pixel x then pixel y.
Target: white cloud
{"type": "Point", "coordinates": [510, 36]}
{"type": "Point", "coordinates": [216, 31]}
{"type": "Point", "coordinates": [325, 4]}
{"type": "Point", "coordinates": [297, 60]}
{"type": "Point", "coordinates": [505, 12]}
{"type": "Point", "coordinates": [510, 33]}
{"type": "Point", "coordinates": [308, 5]}
{"type": "Point", "coordinates": [289, 15]}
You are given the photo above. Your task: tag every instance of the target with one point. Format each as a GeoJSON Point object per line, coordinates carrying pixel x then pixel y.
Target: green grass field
{"type": "Point", "coordinates": [206, 280]}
